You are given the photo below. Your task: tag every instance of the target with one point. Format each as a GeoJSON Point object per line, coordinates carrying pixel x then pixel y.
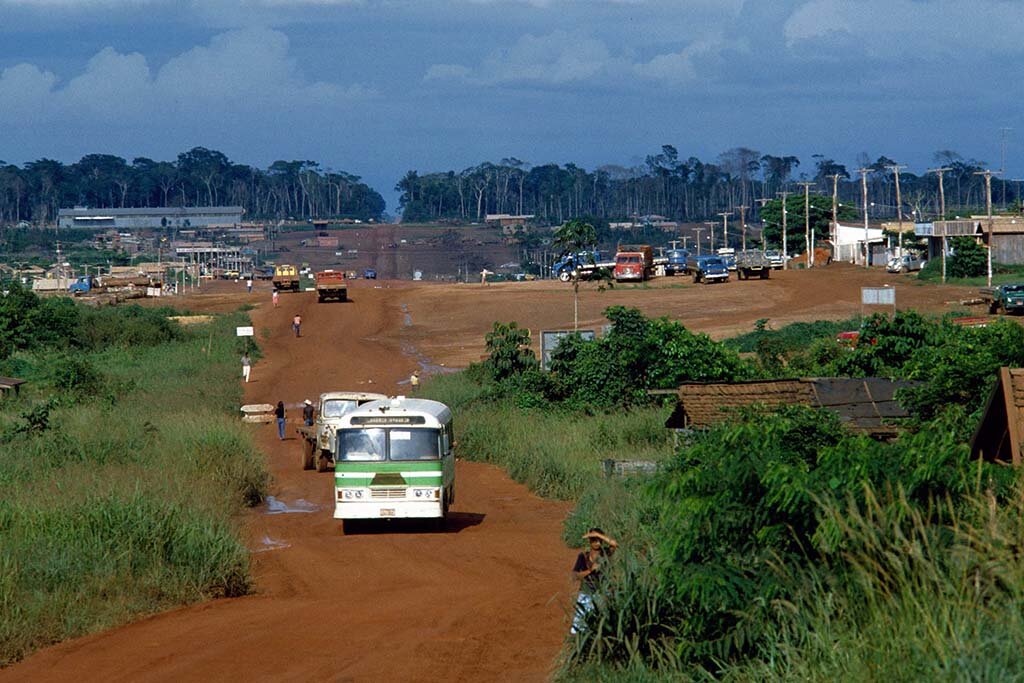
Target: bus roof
{"type": "Point", "coordinates": [351, 396]}
{"type": "Point", "coordinates": [436, 412]}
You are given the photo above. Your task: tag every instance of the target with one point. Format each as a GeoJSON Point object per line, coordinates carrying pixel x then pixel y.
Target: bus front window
{"type": "Point", "coordinates": [361, 444]}
{"type": "Point", "coordinates": [414, 444]}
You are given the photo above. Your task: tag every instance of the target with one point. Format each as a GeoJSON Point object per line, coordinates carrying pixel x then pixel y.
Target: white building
{"type": "Point", "coordinates": [850, 240]}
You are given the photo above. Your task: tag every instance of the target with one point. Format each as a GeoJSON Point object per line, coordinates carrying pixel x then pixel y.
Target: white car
{"type": "Point", "coordinates": [905, 263]}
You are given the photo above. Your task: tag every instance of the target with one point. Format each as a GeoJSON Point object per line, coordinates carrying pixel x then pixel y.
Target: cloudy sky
{"type": "Point", "coordinates": [377, 87]}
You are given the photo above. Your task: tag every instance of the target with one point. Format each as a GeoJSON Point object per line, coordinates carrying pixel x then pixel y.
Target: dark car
{"type": "Point", "coordinates": [370, 274]}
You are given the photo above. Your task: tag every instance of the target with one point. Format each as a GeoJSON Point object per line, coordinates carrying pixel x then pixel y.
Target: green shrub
{"type": "Point", "coordinates": [968, 260]}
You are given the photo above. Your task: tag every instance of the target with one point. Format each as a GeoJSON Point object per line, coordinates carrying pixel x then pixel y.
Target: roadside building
{"type": "Point", "coordinates": [150, 218]}
{"type": "Point", "coordinates": [1007, 236]}
{"type": "Point", "coordinates": [508, 222]}
{"type": "Point", "coordinates": [850, 241]}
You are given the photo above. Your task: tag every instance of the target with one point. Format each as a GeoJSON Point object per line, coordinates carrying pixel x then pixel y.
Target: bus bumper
{"type": "Point", "coordinates": [394, 509]}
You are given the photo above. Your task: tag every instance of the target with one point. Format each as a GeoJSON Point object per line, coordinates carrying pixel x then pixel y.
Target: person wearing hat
{"type": "Point", "coordinates": [587, 570]}
{"type": "Point", "coordinates": [307, 413]}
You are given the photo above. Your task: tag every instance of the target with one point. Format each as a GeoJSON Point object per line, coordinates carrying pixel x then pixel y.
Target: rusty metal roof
{"type": "Point", "coordinates": [1001, 428]}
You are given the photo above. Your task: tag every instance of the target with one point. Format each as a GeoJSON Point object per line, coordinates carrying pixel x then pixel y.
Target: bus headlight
{"type": "Point", "coordinates": [426, 493]}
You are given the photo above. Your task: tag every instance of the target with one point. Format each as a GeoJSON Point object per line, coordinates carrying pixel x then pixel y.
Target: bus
{"type": "Point", "coordinates": [395, 459]}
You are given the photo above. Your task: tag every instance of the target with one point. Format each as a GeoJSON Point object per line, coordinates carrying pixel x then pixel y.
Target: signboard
{"type": "Point", "coordinates": [243, 332]}
{"type": "Point", "coordinates": [878, 296]}
{"type": "Point", "coordinates": [550, 339]}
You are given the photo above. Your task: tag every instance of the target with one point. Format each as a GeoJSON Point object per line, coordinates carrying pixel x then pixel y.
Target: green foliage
{"type": "Point", "coordinates": [508, 348]}
{"type": "Point", "coordinates": [968, 260]}
{"type": "Point", "coordinates": [74, 374]}
{"type": "Point", "coordinates": [820, 211]}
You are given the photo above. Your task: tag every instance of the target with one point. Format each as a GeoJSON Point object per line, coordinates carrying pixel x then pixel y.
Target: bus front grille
{"type": "Point", "coordinates": [388, 493]}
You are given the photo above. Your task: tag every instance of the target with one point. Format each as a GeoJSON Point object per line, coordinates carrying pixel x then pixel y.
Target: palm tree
{"type": "Point", "coordinates": [574, 236]}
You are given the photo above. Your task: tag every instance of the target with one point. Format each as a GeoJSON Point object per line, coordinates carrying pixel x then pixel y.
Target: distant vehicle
{"type": "Point", "coordinates": [245, 276]}
{"type": "Point", "coordinates": [1005, 298]}
{"type": "Point", "coordinates": [230, 275]}
{"type": "Point", "coordinates": [286, 277]}
{"type": "Point", "coordinates": [775, 260]}
{"type": "Point", "coordinates": [330, 284]}
{"type": "Point", "coordinates": [676, 261]}
{"type": "Point", "coordinates": [82, 285]}
{"type": "Point", "coordinates": [265, 273]}
{"type": "Point", "coordinates": [634, 263]}
{"type": "Point", "coordinates": [417, 275]}
{"type": "Point", "coordinates": [370, 274]}
{"type": "Point", "coordinates": [751, 263]}
{"type": "Point", "coordinates": [318, 439]}
{"type": "Point", "coordinates": [581, 264]}
{"type": "Point", "coordinates": [728, 256]}
{"type": "Point", "coordinates": [708, 268]}
{"type": "Point", "coordinates": [905, 263]}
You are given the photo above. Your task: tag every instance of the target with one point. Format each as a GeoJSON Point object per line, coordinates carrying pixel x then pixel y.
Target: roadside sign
{"type": "Point", "coordinates": [877, 296]}
{"type": "Point", "coordinates": [550, 339]}
{"type": "Point", "coordinates": [244, 332]}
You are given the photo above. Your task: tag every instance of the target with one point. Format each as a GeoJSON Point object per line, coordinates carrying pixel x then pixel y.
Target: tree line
{"type": "Point", "coordinates": [689, 189]}
{"type": "Point", "coordinates": [36, 191]}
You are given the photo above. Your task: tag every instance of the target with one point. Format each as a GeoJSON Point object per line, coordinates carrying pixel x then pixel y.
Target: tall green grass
{"type": "Point", "coordinates": [556, 453]}
{"type": "Point", "coordinates": [123, 500]}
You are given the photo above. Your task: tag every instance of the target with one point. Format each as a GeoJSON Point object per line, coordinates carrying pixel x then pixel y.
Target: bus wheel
{"type": "Point", "coordinates": [307, 455]}
{"type": "Point", "coordinates": [323, 462]}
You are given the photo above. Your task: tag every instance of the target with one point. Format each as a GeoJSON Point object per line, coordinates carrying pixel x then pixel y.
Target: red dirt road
{"type": "Point", "coordinates": [484, 601]}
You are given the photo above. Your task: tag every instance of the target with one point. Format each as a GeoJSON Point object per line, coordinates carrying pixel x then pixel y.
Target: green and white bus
{"type": "Point", "coordinates": [395, 458]}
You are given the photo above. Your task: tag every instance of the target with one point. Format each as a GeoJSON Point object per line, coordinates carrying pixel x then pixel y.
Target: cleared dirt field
{"type": "Point", "coordinates": [485, 600]}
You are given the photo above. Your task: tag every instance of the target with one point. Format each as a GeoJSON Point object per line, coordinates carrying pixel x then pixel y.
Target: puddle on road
{"type": "Point", "coordinates": [269, 543]}
{"type": "Point", "coordinates": [273, 506]}
{"type": "Point", "coordinates": [426, 366]}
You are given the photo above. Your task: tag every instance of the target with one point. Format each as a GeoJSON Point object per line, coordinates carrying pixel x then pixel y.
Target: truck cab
{"type": "Point", "coordinates": [82, 285]}
{"type": "Point", "coordinates": [318, 447]}
{"type": "Point", "coordinates": [633, 263]}
{"type": "Point", "coordinates": [677, 259]}
{"type": "Point", "coordinates": [710, 268]}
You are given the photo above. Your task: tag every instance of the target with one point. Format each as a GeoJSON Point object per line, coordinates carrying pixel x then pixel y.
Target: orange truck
{"type": "Point", "coordinates": [330, 284]}
{"type": "Point", "coordinates": [634, 263]}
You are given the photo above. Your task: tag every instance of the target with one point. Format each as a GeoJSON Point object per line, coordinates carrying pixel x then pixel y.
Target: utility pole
{"type": "Point", "coordinates": [685, 239]}
{"type": "Point", "coordinates": [942, 215]}
{"type": "Point", "coordinates": [895, 168]}
{"type": "Point", "coordinates": [834, 232]}
{"type": "Point", "coordinates": [988, 211]}
{"type": "Point", "coordinates": [698, 231]}
{"type": "Point", "coordinates": [1003, 134]}
{"type": "Point", "coordinates": [763, 201]}
{"type": "Point", "coordinates": [785, 249]}
{"type": "Point", "coordinates": [743, 225]}
{"type": "Point", "coordinates": [725, 228]}
{"type": "Point", "coordinates": [864, 193]}
{"type": "Point", "coordinates": [711, 235]}
{"type": "Point", "coordinates": [808, 242]}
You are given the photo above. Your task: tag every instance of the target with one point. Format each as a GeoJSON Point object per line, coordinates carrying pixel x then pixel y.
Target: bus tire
{"type": "Point", "coordinates": [323, 462]}
{"type": "Point", "coordinates": [307, 454]}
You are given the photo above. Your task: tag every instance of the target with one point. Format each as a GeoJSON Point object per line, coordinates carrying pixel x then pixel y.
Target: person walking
{"type": "Point", "coordinates": [246, 366]}
{"type": "Point", "coordinates": [275, 298]}
{"type": "Point", "coordinates": [414, 382]}
{"type": "Point", "coordinates": [307, 413]}
{"type": "Point", "coordinates": [279, 414]}
{"type": "Point", "coordinates": [248, 285]}
{"type": "Point", "coordinates": [297, 324]}
{"type": "Point", "coordinates": [588, 571]}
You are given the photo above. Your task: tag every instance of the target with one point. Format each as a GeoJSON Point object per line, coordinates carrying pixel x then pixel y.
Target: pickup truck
{"type": "Point", "coordinates": [752, 263]}
{"type": "Point", "coordinates": [318, 439]}
{"type": "Point", "coordinates": [1005, 298]}
{"type": "Point", "coordinates": [330, 284]}
{"type": "Point", "coordinates": [709, 268]}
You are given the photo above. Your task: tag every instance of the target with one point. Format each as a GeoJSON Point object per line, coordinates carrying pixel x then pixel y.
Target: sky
{"type": "Point", "coordinates": [379, 87]}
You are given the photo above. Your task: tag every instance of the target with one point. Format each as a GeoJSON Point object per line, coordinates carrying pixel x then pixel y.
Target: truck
{"type": "Point", "coordinates": [677, 259]}
{"type": "Point", "coordinates": [633, 263]}
{"type": "Point", "coordinates": [83, 284]}
{"type": "Point", "coordinates": [708, 268]}
{"type": "Point", "coordinates": [370, 274]}
{"type": "Point", "coordinates": [1005, 298]}
{"type": "Point", "coordinates": [775, 259]}
{"type": "Point", "coordinates": [318, 439]}
{"type": "Point", "coordinates": [330, 284]}
{"type": "Point", "coordinates": [728, 256]}
{"type": "Point", "coordinates": [752, 263]}
{"type": "Point", "coordinates": [581, 264]}
{"type": "Point", "coordinates": [286, 277]}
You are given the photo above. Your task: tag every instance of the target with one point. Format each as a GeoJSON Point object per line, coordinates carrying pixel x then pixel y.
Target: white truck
{"type": "Point", "coordinates": [318, 439]}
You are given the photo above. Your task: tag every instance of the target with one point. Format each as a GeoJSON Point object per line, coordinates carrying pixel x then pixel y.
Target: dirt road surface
{"type": "Point", "coordinates": [485, 600]}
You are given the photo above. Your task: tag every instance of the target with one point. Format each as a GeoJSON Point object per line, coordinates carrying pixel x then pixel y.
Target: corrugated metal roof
{"type": "Point", "coordinates": [147, 211]}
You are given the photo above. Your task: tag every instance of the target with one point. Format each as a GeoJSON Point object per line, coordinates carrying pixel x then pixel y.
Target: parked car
{"type": "Point", "coordinates": [905, 263]}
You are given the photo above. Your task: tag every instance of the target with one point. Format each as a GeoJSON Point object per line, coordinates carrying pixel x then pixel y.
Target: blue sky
{"type": "Point", "coordinates": [377, 87]}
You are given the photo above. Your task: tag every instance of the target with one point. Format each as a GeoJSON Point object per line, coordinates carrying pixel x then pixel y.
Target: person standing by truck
{"type": "Point", "coordinates": [307, 413]}
{"type": "Point", "coordinates": [246, 366]}
{"type": "Point", "coordinates": [588, 570]}
{"type": "Point", "coordinates": [275, 297]}
{"type": "Point", "coordinates": [297, 324]}
{"type": "Point", "coordinates": [279, 415]}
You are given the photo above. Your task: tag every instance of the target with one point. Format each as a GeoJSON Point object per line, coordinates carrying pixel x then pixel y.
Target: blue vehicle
{"type": "Point", "coordinates": [82, 285]}
{"type": "Point", "coordinates": [370, 274]}
{"type": "Point", "coordinates": [708, 268]}
{"type": "Point", "coordinates": [582, 263]}
{"type": "Point", "coordinates": [677, 259]}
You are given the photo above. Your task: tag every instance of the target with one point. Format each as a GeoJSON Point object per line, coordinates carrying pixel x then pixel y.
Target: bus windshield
{"type": "Point", "coordinates": [361, 445]}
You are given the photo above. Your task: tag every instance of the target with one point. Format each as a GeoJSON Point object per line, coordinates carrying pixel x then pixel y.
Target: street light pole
{"type": "Point", "coordinates": [698, 231]}
{"type": "Point", "coordinates": [988, 211]}
{"type": "Point", "coordinates": [711, 234]}
{"type": "Point", "coordinates": [743, 225]}
{"type": "Point", "coordinates": [895, 168]}
{"type": "Point", "coordinates": [942, 215]}
{"type": "Point", "coordinates": [864, 193]}
{"type": "Point", "coordinates": [725, 228]}
{"type": "Point", "coordinates": [785, 249]}
{"type": "Point", "coordinates": [808, 242]}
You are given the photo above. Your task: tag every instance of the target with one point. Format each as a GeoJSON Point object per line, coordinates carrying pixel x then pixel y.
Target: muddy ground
{"type": "Point", "coordinates": [484, 600]}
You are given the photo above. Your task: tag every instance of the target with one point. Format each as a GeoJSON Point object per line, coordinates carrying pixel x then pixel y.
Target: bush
{"type": "Point", "coordinates": [968, 260]}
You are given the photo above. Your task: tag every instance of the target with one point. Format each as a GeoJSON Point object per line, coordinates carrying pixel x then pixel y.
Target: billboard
{"type": "Point", "coordinates": [549, 340]}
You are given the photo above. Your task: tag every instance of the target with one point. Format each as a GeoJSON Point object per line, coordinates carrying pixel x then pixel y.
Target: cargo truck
{"type": "Point", "coordinates": [581, 264]}
{"type": "Point", "coordinates": [634, 263]}
{"type": "Point", "coordinates": [318, 438]}
{"type": "Point", "coordinates": [752, 263]}
{"type": "Point", "coordinates": [286, 277]}
{"type": "Point", "coordinates": [1005, 298]}
{"type": "Point", "coordinates": [330, 284]}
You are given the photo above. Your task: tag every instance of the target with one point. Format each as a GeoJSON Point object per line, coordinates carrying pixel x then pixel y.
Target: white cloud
{"type": "Point", "coordinates": [243, 68]}
{"type": "Point", "coordinates": [896, 28]}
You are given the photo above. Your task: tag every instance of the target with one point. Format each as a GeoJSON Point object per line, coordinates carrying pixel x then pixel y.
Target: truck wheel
{"type": "Point", "coordinates": [741, 274]}
{"type": "Point", "coordinates": [764, 274]}
{"type": "Point", "coordinates": [696, 278]}
{"type": "Point", "coordinates": [993, 308]}
{"type": "Point", "coordinates": [307, 454]}
{"type": "Point", "coordinates": [565, 276]}
{"type": "Point", "coordinates": [323, 462]}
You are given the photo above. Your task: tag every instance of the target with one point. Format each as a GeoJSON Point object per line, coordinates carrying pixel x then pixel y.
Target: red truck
{"type": "Point", "coordinates": [634, 263]}
{"type": "Point", "coordinates": [330, 284]}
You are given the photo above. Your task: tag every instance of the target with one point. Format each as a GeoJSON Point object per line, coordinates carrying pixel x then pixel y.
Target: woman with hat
{"type": "Point", "coordinates": [307, 412]}
{"type": "Point", "coordinates": [589, 565]}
